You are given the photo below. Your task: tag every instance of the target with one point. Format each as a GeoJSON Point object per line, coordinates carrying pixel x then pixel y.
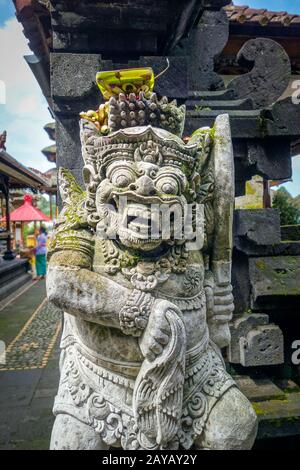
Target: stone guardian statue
{"type": "Point", "coordinates": [146, 304]}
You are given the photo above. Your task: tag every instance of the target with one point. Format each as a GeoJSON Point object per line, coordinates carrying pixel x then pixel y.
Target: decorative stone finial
{"type": "Point", "coordinates": [3, 140]}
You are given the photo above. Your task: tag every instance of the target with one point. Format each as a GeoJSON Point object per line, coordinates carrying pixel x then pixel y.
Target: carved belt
{"type": "Point", "coordinates": [193, 354]}
{"type": "Point", "coordinates": [124, 368]}
{"type": "Point", "coordinates": [187, 303]}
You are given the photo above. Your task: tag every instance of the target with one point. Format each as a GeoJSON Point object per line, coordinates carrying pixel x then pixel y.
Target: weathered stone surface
{"type": "Point", "coordinates": [205, 43]}
{"type": "Point", "coordinates": [254, 149]}
{"type": "Point", "coordinates": [207, 103]}
{"type": "Point", "coordinates": [284, 248]}
{"type": "Point", "coordinates": [256, 124]}
{"type": "Point", "coordinates": [131, 27]}
{"type": "Point", "coordinates": [257, 226]}
{"type": "Point", "coordinates": [240, 282]}
{"type": "Point", "coordinates": [239, 329]}
{"type": "Point", "coordinates": [269, 160]}
{"type": "Point", "coordinates": [275, 119]}
{"type": "Point", "coordinates": [72, 89]}
{"type": "Point", "coordinates": [263, 346]}
{"type": "Point", "coordinates": [279, 418]}
{"type": "Point", "coordinates": [273, 278]}
{"type": "Point", "coordinates": [174, 82]}
{"type": "Point", "coordinates": [68, 148]}
{"type": "Point", "coordinates": [270, 75]}
{"type": "Point", "coordinates": [73, 83]}
{"type": "Point", "coordinates": [13, 274]}
{"type": "Point", "coordinates": [96, 24]}
{"type": "Point", "coordinates": [257, 234]}
{"type": "Point", "coordinates": [73, 75]}
{"type": "Point", "coordinates": [287, 385]}
{"type": "Point", "coordinates": [68, 143]}
{"type": "Point", "coordinates": [254, 342]}
{"type": "Point", "coordinates": [255, 156]}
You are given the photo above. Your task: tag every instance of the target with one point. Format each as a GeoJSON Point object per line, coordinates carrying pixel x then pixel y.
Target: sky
{"type": "Point", "coordinates": [25, 111]}
{"type": "Point", "coordinates": [291, 6]}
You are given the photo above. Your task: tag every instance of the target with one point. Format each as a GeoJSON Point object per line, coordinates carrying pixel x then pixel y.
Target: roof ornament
{"type": "Point", "coordinates": [3, 140]}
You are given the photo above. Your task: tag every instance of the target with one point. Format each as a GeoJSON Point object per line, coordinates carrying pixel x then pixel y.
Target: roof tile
{"type": "Point", "coordinates": [244, 14]}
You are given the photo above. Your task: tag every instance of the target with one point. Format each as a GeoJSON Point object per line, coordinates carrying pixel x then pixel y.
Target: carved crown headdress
{"type": "Point", "coordinates": [131, 102]}
{"type": "Point", "coordinates": [134, 125]}
{"type": "Point", "coordinates": [144, 143]}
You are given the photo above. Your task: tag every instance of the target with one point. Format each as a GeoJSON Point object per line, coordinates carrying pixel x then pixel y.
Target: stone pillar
{"type": "Point", "coordinates": [8, 254]}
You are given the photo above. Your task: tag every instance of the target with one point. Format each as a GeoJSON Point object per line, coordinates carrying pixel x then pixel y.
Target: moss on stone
{"type": "Point", "coordinates": [212, 133]}
{"type": "Point", "coordinates": [199, 108]}
{"type": "Point", "coordinates": [260, 264]}
{"type": "Point", "coordinates": [263, 126]}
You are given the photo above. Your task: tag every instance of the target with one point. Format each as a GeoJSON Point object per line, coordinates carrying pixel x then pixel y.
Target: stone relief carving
{"type": "Point", "coordinates": [146, 316]}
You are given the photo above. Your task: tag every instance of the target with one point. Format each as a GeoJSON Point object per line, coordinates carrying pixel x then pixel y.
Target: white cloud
{"type": "Point", "coordinates": [2, 92]}
{"type": "Point", "coordinates": [28, 105]}
{"type": "Point", "coordinates": [296, 163]}
{"type": "Point", "coordinates": [25, 112]}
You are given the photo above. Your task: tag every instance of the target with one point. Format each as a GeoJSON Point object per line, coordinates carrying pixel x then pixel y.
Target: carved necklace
{"type": "Point", "coordinates": [144, 274]}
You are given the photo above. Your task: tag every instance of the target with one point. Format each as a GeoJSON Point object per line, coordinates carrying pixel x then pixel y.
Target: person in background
{"type": "Point", "coordinates": [40, 254]}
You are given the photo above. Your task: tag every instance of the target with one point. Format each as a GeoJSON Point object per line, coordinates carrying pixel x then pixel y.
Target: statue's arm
{"type": "Point", "coordinates": [219, 301]}
{"type": "Point", "coordinates": [219, 221]}
{"type": "Point", "coordinates": [73, 287]}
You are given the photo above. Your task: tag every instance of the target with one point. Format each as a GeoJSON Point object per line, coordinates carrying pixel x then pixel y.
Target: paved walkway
{"type": "Point", "coordinates": [29, 379]}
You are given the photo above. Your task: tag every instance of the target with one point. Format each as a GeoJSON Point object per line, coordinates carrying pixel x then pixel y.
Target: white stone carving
{"type": "Point", "coordinates": [145, 318]}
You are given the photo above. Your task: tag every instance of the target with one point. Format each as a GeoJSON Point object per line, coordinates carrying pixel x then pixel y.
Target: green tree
{"type": "Point", "coordinates": [44, 205]}
{"type": "Point", "coordinates": [297, 201]}
{"type": "Point", "coordinates": [289, 212]}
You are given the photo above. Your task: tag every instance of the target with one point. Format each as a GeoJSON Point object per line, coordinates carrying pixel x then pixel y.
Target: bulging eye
{"type": "Point", "coordinates": [122, 178]}
{"type": "Point", "coordinates": [167, 185]}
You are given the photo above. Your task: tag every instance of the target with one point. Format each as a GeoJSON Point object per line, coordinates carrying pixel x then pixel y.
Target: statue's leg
{"type": "Point", "coordinates": [69, 433]}
{"type": "Point", "coordinates": [232, 424]}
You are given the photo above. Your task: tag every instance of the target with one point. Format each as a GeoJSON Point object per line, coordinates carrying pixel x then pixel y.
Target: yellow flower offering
{"type": "Point", "coordinates": [125, 81]}
{"type": "Point", "coordinates": [99, 117]}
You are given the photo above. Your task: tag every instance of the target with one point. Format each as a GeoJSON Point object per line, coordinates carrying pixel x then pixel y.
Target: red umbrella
{"type": "Point", "coordinates": [27, 212]}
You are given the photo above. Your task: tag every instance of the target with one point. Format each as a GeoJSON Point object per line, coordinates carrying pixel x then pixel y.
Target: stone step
{"type": "Point", "coordinates": [278, 418]}
{"type": "Point", "coordinates": [14, 284]}
{"type": "Point", "coordinates": [277, 405]}
{"type": "Point", "coordinates": [258, 390]}
{"type": "Point", "coordinates": [287, 385]}
{"type": "Point", "coordinates": [13, 274]}
{"type": "Point", "coordinates": [203, 105]}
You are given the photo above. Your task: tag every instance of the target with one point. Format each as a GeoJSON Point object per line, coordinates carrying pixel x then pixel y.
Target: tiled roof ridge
{"type": "Point", "coordinates": [245, 14]}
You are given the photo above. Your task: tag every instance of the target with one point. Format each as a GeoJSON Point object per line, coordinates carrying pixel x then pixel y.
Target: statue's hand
{"type": "Point", "coordinates": [219, 333]}
{"type": "Point", "coordinates": [157, 331]}
{"type": "Point", "coordinates": [219, 312]}
{"type": "Point", "coordinates": [223, 303]}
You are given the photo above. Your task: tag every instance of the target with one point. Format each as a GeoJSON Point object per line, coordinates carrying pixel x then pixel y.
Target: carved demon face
{"type": "Point", "coordinates": [141, 199]}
